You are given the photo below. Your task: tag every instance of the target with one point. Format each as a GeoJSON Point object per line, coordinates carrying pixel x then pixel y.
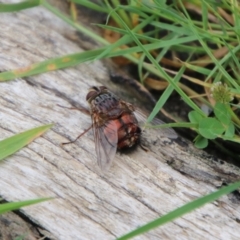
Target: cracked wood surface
{"type": "Point", "coordinates": [139, 186]}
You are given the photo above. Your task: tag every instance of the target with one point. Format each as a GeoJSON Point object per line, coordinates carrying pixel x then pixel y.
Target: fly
{"type": "Point", "coordinates": [115, 124]}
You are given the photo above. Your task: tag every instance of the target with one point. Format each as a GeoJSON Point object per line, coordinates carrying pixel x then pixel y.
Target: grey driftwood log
{"type": "Point", "coordinates": [139, 187]}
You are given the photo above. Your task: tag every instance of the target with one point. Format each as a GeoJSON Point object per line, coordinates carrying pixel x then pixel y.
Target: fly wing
{"type": "Point", "coordinates": [166, 132]}
{"type": "Point", "coordinates": [106, 140]}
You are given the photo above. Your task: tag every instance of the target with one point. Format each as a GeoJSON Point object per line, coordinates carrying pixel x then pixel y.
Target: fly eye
{"type": "Point", "coordinates": [91, 95]}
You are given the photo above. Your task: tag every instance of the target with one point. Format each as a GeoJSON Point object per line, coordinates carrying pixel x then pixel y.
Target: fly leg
{"type": "Point", "coordinates": [84, 110]}
{"type": "Point", "coordinates": [78, 136]}
{"type": "Point", "coordinates": [143, 147]}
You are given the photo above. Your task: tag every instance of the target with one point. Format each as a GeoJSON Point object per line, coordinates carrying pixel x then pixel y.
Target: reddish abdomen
{"type": "Point", "coordinates": [128, 130]}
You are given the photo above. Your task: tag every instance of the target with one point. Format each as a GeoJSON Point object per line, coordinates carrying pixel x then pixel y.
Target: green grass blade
{"type": "Point", "coordinates": [181, 211]}
{"type": "Point", "coordinates": [19, 6]}
{"type": "Point", "coordinates": [12, 144]}
{"type": "Point", "coordinates": [91, 5]}
{"type": "Point", "coordinates": [173, 125]}
{"type": "Point", "coordinates": [158, 68]}
{"type": "Point", "coordinates": [77, 58]}
{"type": "Point", "coordinates": [124, 39]}
{"type": "Point", "coordinates": [77, 26]}
{"type": "Point", "coordinates": [116, 4]}
{"type": "Point", "coordinates": [218, 66]}
{"type": "Point", "coordinates": [162, 100]}
{"type": "Point", "coordinates": [51, 65]}
{"type": "Point", "coordinates": [6, 207]}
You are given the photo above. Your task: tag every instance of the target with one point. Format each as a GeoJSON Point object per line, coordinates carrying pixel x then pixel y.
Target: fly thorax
{"type": "Point", "coordinates": [105, 102]}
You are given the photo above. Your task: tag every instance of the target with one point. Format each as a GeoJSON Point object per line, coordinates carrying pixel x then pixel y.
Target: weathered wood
{"type": "Point", "coordinates": [139, 186]}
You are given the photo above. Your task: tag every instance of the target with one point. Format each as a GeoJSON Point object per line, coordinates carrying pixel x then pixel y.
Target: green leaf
{"type": "Point", "coordinates": [19, 6]}
{"type": "Point", "coordinates": [6, 207]}
{"type": "Point", "coordinates": [181, 211]}
{"type": "Point", "coordinates": [210, 128]}
{"type": "Point", "coordinates": [162, 100]}
{"type": "Point", "coordinates": [11, 145]}
{"type": "Point", "coordinates": [91, 5]}
{"type": "Point", "coordinates": [194, 117]}
{"type": "Point", "coordinates": [229, 133]}
{"type": "Point", "coordinates": [157, 67]}
{"type": "Point", "coordinates": [222, 114]}
{"type": "Point", "coordinates": [201, 142]}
